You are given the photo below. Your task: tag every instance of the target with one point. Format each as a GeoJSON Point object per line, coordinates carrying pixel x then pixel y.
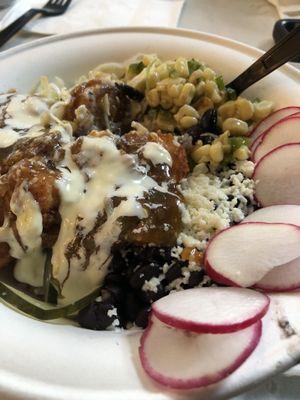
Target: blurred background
{"type": "Point", "coordinates": [249, 21]}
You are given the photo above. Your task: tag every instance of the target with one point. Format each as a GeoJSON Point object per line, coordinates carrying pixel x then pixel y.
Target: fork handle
{"type": "Point", "coordinates": [17, 25]}
{"type": "Point", "coordinates": [285, 50]}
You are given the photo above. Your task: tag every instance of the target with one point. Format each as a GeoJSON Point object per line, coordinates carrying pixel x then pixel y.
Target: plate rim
{"type": "Point", "coordinates": [19, 387]}
{"type": "Point", "coordinates": [287, 68]}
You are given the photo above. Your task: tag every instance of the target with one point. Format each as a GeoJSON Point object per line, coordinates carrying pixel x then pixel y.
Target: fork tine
{"type": "Point", "coordinates": [66, 3]}
{"type": "Point", "coordinates": [50, 3]}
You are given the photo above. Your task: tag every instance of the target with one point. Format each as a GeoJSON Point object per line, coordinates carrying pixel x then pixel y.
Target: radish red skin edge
{"type": "Point", "coordinates": [296, 110]}
{"type": "Point", "coordinates": [187, 384]}
{"type": "Point", "coordinates": [256, 144]}
{"type": "Point", "coordinates": [210, 328]}
{"type": "Point", "coordinates": [215, 276]}
{"type": "Point", "coordinates": [278, 289]}
{"type": "Point", "coordinates": [258, 165]}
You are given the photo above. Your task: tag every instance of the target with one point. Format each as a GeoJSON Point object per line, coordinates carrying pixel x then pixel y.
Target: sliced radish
{"type": "Point", "coordinates": [277, 176]}
{"type": "Point", "coordinates": [243, 254]}
{"type": "Point", "coordinates": [255, 143]}
{"type": "Point", "coordinates": [285, 213]}
{"type": "Point", "coordinates": [283, 132]}
{"type": "Point", "coordinates": [211, 310]}
{"type": "Point", "coordinates": [271, 119]}
{"type": "Point", "coordinates": [182, 360]}
{"type": "Point", "coordinates": [283, 278]}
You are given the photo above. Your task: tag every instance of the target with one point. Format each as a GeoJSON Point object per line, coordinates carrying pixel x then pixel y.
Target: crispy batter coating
{"type": "Point", "coordinates": [31, 161]}
{"type": "Point", "coordinates": [46, 147]}
{"type": "Point", "coordinates": [163, 223]}
{"type": "Point", "coordinates": [132, 141]}
{"type": "Point", "coordinates": [106, 106]}
{"type": "Point", "coordinates": [41, 183]}
{"type": "Point", "coordinates": [180, 166]}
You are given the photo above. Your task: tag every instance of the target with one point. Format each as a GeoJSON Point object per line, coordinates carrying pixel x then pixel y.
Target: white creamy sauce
{"type": "Point", "coordinates": [30, 265]}
{"type": "Point", "coordinates": [86, 194]}
{"type": "Point", "coordinates": [30, 268]}
{"type": "Point", "coordinates": [157, 154]}
{"type": "Point", "coordinates": [4, 97]}
{"type": "Point", "coordinates": [7, 236]}
{"type": "Point", "coordinates": [22, 117]}
{"type": "Point", "coordinates": [24, 111]}
{"type": "Point", "coordinates": [29, 222]}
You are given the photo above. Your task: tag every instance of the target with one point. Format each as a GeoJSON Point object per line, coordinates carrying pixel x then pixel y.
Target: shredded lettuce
{"type": "Point", "coordinates": [220, 82]}
{"type": "Point", "coordinates": [193, 65]}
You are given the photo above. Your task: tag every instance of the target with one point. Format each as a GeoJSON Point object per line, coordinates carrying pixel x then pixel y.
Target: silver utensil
{"type": "Point", "coordinates": [51, 9]}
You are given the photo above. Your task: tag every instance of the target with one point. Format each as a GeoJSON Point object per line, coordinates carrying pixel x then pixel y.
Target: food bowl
{"type": "Point", "coordinates": [61, 361]}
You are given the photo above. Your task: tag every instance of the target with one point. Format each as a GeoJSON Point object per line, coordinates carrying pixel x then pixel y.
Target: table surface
{"type": "Point", "coordinates": [251, 22]}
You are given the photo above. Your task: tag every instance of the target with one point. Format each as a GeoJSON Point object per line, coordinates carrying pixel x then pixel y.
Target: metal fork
{"type": "Point", "coordinates": [51, 9]}
{"type": "Point", "coordinates": [285, 50]}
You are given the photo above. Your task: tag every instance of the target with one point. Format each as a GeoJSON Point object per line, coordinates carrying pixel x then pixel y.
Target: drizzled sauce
{"type": "Point", "coordinates": [20, 116]}
{"type": "Point", "coordinates": [26, 247]}
{"type": "Point", "coordinates": [109, 190]}
{"type": "Point", "coordinates": [91, 221]}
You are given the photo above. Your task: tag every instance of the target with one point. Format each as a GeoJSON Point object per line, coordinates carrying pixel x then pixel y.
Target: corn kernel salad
{"type": "Point", "coordinates": [185, 96]}
{"type": "Point", "coordinates": [125, 177]}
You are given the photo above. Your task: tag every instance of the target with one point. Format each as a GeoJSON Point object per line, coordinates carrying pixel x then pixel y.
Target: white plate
{"type": "Point", "coordinates": [46, 361]}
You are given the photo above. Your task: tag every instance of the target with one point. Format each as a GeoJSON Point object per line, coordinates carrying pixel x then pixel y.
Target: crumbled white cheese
{"type": "Point", "coordinates": [214, 201]}
{"type": "Point", "coordinates": [176, 251]}
{"type": "Point", "coordinates": [112, 312]}
{"type": "Point", "coordinates": [176, 284]}
{"type": "Point", "coordinates": [151, 285]}
{"type": "Point", "coordinates": [246, 167]}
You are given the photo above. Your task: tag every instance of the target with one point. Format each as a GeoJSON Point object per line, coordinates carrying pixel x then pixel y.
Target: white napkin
{"type": "Point", "coordinates": [91, 14]}
{"type": "Point", "coordinates": [287, 8]}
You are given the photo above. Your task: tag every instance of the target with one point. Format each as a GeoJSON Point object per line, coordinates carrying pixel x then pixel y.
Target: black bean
{"type": "Point", "coordinates": [95, 316]}
{"type": "Point", "coordinates": [150, 296]}
{"type": "Point", "coordinates": [207, 138]}
{"type": "Point", "coordinates": [231, 166]}
{"type": "Point", "coordinates": [114, 278]}
{"type": "Point", "coordinates": [195, 278]}
{"type": "Point", "coordinates": [144, 273]}
{"type": "Point", "coordinates": [132, 307]}
{"type": "Point", "coordinates": [143, 317]}
{"type": "Point", "coordinates": [112, 293]}
{"type": "Point", "coordinates": [198, 133]}
{"type": "Point", "coordinates": [173, 273]}
{"type": "Point", "coordinates": [195, 132]}
{"type": "Point", "coordinates": [130, 92]}
{"type": "Point", "coordinates": [117, 264]}
{"type": "Point", "coordinates": [154, 254]}
{"type": "Point", "coordinates": [209, 121]}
